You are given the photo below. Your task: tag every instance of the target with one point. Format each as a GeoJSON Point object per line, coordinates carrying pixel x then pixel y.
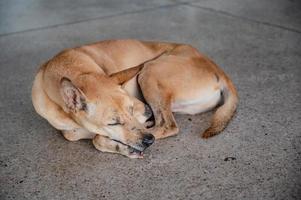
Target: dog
{"type": "Point", "coordinates": [108, 91]}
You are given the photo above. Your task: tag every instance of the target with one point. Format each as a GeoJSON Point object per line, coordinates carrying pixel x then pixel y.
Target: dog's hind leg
{"type": "Point", "coordinates": [160, 102]}
{"type": "Point", "coordinates": [165, 124]}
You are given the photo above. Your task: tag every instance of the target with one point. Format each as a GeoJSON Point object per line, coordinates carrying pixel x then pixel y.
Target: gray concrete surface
{"type": "Point", "coordinates": [257, 43]}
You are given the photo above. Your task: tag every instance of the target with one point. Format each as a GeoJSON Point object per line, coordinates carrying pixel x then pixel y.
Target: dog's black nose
{"type": "Point", "coordinates": [148, 139]}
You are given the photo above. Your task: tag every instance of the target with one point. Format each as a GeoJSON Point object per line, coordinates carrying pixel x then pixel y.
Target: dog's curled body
{"type": "Point", "coordinates": [93, 92]}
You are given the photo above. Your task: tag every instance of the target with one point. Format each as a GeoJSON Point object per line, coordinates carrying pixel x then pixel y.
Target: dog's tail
{"type": "Point", "coordinates": [224, 113]}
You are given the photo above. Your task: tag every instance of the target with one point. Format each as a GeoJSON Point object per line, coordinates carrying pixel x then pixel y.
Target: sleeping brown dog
{"type": "Point", "coordinates": [99, 92]}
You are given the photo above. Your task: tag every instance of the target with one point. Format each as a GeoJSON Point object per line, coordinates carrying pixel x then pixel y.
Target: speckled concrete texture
{"type": "Point", "coordinates": [257, 157]}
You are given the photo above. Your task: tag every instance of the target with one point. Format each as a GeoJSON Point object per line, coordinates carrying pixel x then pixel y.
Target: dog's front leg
{"type": "Point", "coordinates": [105, 144]}
{"type": "Point", "coordinates": [77, 134]}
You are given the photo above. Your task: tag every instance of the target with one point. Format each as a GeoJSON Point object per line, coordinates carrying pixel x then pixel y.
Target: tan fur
{"type": "Point", "coordinates": [83, 91]}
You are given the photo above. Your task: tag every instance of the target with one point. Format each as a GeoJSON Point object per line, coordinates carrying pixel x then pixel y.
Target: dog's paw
{"type": "Point", "coordinates": [149, 124]}
{"type": "Point", "coordinates": [163, 132]}
{"type": "Point", "coordinates": [70, 135]}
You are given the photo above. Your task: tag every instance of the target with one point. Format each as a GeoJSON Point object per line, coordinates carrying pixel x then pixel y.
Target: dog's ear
{"type": "Point", "coordinates": [73, 97]}
{"type": "Point", "coordinates": [125, 75]}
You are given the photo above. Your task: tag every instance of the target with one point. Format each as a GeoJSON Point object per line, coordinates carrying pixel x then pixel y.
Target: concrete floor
{"type": "Point", "coordinates": [257, 42]}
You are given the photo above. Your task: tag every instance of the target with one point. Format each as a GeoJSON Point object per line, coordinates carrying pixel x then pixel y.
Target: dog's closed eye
{"type": "Point", "coordinates": [115, 122]}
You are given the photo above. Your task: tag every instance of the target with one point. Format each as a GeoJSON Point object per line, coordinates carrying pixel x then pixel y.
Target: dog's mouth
{"type": "Point", "coordinates": [133, 151]}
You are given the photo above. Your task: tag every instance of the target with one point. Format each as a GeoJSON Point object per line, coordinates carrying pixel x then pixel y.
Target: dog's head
{"type": "Point", "coordinates": [99, 104]}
